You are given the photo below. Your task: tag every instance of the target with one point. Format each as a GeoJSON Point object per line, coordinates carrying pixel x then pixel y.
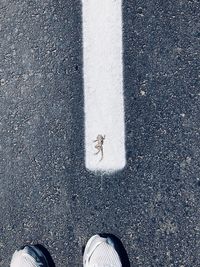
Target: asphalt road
{"type": "Point", "coordinates": [46, 194]}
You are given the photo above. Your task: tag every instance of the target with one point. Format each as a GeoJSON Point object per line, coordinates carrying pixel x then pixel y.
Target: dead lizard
{"type": "Point", "coordinates": [99, 146]}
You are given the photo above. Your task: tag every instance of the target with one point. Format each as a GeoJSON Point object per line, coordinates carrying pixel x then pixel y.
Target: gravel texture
{"type": "Point", "coordinates": [46, 194]}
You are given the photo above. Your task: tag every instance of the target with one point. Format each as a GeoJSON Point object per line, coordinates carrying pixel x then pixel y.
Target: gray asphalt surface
{"type": "Point", "coordinates": [46, 194]}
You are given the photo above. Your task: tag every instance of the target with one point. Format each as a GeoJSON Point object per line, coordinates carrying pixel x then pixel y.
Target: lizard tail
{"type": "Point", "coordinates": [101, 154]}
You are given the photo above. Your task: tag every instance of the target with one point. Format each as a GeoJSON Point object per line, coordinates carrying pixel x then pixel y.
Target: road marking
{"type": "Point", "coordinates": [103, 83]}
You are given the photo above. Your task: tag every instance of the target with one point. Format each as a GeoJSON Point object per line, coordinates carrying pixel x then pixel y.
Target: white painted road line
{"type": "Point", "coordinates": [103, 83]}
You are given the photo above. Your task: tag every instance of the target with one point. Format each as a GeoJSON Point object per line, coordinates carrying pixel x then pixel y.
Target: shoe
{"type": "Point", "coordinates": [100, 252]}
{"type": "Point", "coordinates": [29, 256]}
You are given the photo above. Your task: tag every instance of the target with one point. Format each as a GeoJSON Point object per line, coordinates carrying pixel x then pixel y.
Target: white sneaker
{"type": "Point", "coordinates": [29, 256]}
{"type": "Point", "coordinates": [100, 252]}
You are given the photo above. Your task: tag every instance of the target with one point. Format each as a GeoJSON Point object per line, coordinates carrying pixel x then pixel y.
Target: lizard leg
{"type": "Point", "coordinates": [97, 151]}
